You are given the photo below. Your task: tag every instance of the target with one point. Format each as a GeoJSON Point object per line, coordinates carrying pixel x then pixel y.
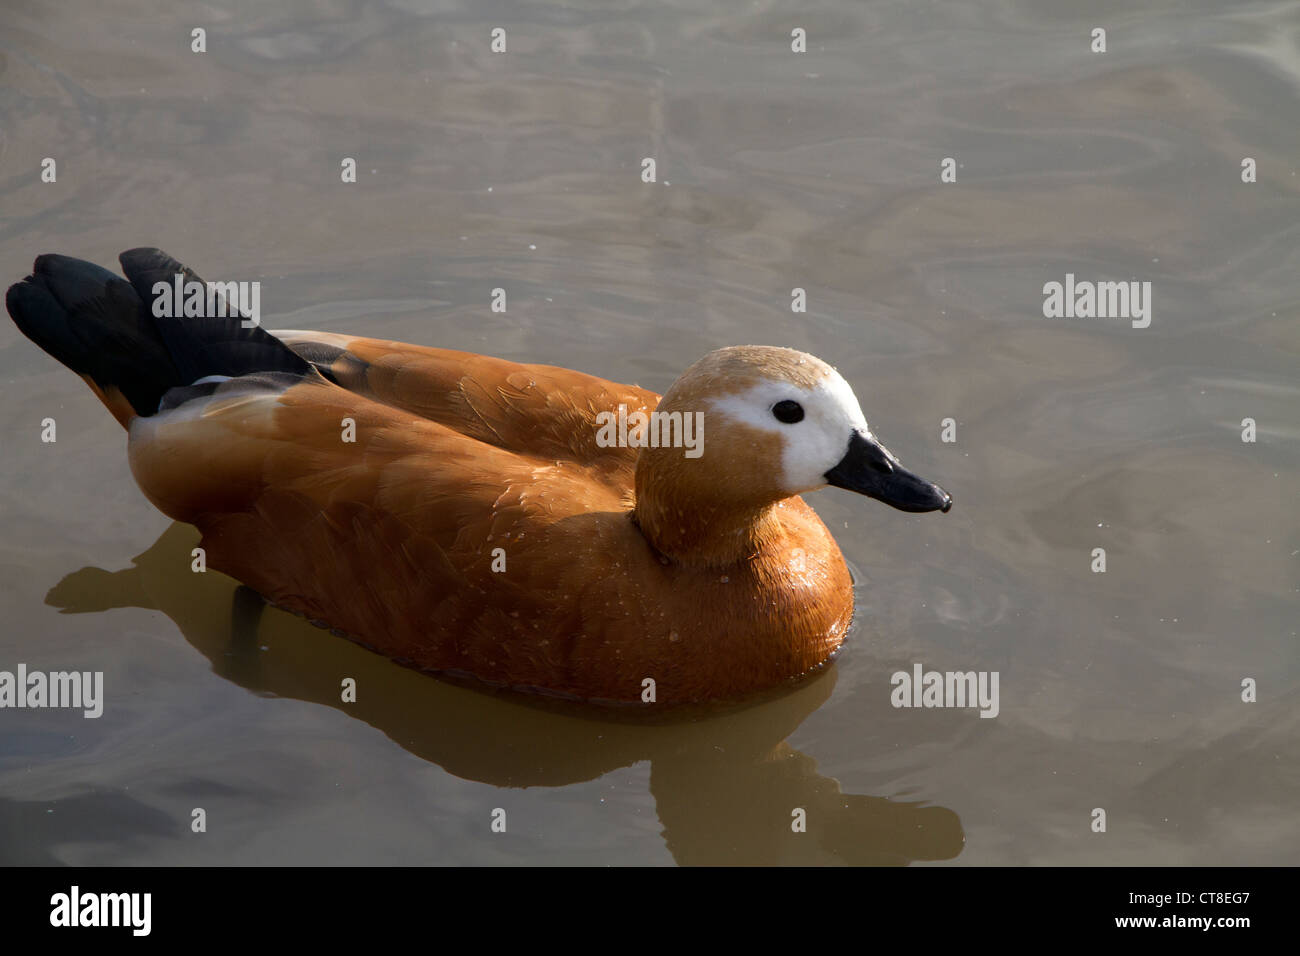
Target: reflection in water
{"type": "Point", "coordinates": [725, 783]}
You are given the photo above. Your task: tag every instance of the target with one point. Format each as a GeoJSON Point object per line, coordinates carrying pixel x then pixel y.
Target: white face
{"type": "Point", "coordinates": [811, 446]}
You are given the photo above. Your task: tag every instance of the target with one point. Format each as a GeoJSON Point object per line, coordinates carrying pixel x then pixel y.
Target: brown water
{"type": "Point", "coordinates": [818, 170]}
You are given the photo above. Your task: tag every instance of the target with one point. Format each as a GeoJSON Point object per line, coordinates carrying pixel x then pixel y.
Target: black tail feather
{"type": "Point", "coordinates": [206, 345]}
{"type": "Point", "coordinates": [93, 322]}
{"type": "Point", "coordinates": [103, 327]}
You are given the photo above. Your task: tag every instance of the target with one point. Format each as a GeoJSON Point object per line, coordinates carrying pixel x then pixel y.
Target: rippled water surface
{"type": "Point", "coordinates": [776, 170]}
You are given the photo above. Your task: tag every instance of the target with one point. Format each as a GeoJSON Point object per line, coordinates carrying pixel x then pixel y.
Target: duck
{"type": "Point", "coordinates": [480, 518]}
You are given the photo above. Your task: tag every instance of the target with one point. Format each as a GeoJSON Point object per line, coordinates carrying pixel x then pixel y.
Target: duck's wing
{"type": "Point", "coordinates": [374, 520]}
{"type": "Point", "coordinates": [539, 410]}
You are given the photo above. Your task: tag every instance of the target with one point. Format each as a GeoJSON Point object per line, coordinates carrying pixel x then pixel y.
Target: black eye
{"type": "Point", "coordinates": [788, 412]}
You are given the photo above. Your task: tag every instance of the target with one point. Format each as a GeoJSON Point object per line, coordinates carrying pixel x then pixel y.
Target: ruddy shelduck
{"type": "Point", "coordinates": [471, 516]}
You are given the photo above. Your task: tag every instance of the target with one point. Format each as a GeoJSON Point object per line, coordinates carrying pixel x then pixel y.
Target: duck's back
{"type": "Point", "coordinates": [540, 410]}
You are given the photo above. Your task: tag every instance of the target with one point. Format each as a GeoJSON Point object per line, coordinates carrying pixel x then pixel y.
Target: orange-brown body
{"type": "Point", "coordinates": [392, 538]}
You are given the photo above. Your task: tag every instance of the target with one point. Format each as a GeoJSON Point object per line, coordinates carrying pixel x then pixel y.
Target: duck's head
{"type": "Point", "coordinates": [777, 423]}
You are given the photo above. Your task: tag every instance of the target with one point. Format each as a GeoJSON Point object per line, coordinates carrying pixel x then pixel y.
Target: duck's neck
{"type": "Point", "coordinates": [692, 521]}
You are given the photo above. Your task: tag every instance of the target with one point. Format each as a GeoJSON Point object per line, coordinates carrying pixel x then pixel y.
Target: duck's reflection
{"type": "Point", "coordinates": [725, 784]}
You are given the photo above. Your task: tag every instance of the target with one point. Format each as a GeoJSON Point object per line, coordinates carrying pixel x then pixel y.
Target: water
{"type": "Point", "coordinates": [521, 170]}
